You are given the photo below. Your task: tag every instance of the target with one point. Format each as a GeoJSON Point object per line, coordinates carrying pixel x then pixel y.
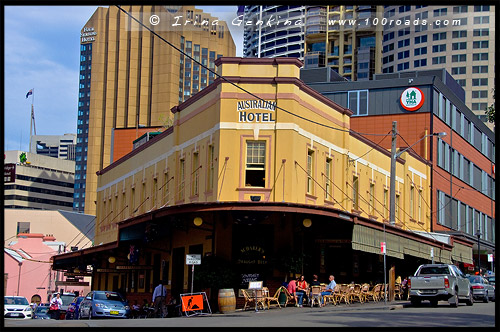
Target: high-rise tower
{"type": "Point", "coordinates": [129, 78]}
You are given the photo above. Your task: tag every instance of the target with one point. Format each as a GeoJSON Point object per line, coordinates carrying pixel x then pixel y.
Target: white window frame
{"type": "Point", "coordinates": [358, 101]}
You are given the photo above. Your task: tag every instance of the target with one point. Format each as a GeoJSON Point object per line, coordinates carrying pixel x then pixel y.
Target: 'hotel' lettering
{"type": "Point", "coordinates": [257, 117]}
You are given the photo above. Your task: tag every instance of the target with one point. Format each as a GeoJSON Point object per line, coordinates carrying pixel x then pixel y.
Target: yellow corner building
{"type": "Point", "coordinates": [263, 172]}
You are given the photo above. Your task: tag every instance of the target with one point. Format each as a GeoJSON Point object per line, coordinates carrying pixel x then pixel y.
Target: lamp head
{"type": "Point", "coordinates": [442, 134]}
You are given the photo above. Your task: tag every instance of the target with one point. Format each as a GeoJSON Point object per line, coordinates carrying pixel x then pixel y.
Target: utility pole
{"type": "Point", "coordinates": [392, 185]}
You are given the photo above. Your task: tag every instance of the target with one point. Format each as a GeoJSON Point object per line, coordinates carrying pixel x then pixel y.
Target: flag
{"type": "Point", "coordinates": [29, 93]}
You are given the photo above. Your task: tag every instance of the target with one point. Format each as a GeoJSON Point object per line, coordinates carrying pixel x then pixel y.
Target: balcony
{"type": "Point", "coordinates": [314, 60]}
{"type": "Point", "coordinates": [315, 29]}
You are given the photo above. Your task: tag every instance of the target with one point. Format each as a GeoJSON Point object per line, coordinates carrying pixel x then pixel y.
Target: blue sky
{"type": "Point", "coordinates": [42, 46]}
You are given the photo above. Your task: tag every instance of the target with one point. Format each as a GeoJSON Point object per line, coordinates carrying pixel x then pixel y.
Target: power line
{"type": "Point", "coordinates": [378, 144]}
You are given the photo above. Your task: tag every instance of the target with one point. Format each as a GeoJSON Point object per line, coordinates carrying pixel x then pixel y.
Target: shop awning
{"type": "Point", "coordinates": [462, 253]}
{"type": "Point", "coordinates": [368, 239]}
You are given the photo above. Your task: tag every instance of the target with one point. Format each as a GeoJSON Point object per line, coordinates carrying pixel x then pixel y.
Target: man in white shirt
{"type": "Point", "coordinates": [159, 295]}
{"type": "Point", "coordinates": [329, 289]}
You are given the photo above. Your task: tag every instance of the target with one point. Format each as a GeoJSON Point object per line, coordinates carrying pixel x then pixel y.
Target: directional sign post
{"type": "Point", "coordinates": [193, 260]}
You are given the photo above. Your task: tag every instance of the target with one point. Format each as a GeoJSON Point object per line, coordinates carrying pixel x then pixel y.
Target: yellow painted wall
{"type": "Point", "coordinates": [214, 119]}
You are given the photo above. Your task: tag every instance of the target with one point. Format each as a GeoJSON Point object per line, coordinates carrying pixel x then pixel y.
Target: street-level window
{"type": "Point", "coordinates": [255, 164]}
{"type": "Point", "coordinates": [23, 227]}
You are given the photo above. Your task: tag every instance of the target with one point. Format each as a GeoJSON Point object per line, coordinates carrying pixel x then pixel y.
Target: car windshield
{"type": "Point", "coordinates": [108, 296]}
{"type": "Point", "coordinates": [15, 301]}
{"type": "Point", "coordinates": [475, 280]}
{"type": "Point", "coordinates": [67, 299]}
{"type": "Point", "coordinates": [434, 270]}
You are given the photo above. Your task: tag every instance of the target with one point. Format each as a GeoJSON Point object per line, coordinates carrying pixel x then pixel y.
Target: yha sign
{"type": "Point", "coordinates": [412, 99]}
{"type": "Point", "coordinates": [256, 111]}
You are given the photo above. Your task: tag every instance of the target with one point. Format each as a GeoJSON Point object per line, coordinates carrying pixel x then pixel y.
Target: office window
{"type": "Point", "coordinates": [403, 55]}
{"type": "Point", "coordinates": [459, 46]}
{"type": "Point", "coordinates": [439, 36]}
{"type": "Point", "coordinates": [403, 32]}
{"type": "Point", "coordinates": [310, 170]}
{"type": "Point", "coordinates": [420, 51]}
{"type": "Point", "coordinates": [328, 179]}
{"type": "Point", "coordinates": [358, 102]}
{"type": "Point", "coordinates": [456, 163]}
{"type": "Point", "coordinates": [459, 58]}
{"type": "Point", "coordinates": [355, 192]}
{"type": "Point", "coordinates": [440, 12]}
{"type": "Point", "coordinates": [481, 32]}
{"type": "Point", "coordinates": [480, 57]}
{"type": "Point", "coordinates": [403, 66]}
{"type": "Point", "coordinates": [458, 70]}
{"type": "Point", "coordinates": [481, 20]}
{"type": "Point", "coordinates": [480, 94]}
{"type": "Point", "coordinates": [420, 63]}
{"type": "Point", "coordinates": [459, 9]}
{"type": "Point", "coordinates": [421, 39]}
{"type": "Point", "coordinates": [439, 60]}
{"type": "Point", "coordinates": [480, 44]}
{"type": "Point", "coordinates": [481, 8]}
{"type": "Point", "coordinates": [404, 42]}
{"type": "Point", "coordinates": [479, 82]}
{"type": "Point", "coordinates": [255, 164]}
{"type": "Point", "coordinates": [479, 69]}
{"type": "Point", "coordinates": [459, 34]}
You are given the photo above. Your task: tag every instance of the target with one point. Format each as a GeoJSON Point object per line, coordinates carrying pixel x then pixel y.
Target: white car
{"type": "Point", "coordinates": [17, 307]}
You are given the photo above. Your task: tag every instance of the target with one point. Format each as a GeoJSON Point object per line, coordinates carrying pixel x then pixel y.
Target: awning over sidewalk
{"type": "Point", "coordinates": [368, 239]}
{"type": "Point", "coordinates": [462, 253]}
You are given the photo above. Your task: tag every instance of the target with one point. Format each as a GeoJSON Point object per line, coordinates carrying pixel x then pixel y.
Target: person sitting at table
{"type": "Point", "coordinates": [292, 289]}
{"type": "Point", "coordinates": [329, 289]}
{"type": "Point", "coordinates": [302, 288]}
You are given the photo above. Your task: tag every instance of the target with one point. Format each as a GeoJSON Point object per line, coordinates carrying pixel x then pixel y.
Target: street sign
{"type": "Point", "coordinates": [490, 257]}
{"type": "Point", "coordinates": [382, 247]}
{"type": "Point", "coordinates": [432, 252]}
{"type": "Point", "coordinates": [193, 259]}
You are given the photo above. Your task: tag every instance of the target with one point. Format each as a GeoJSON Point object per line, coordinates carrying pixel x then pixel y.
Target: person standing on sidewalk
{"type": "Point", "coordinates": [55, 306]}
{"type": "Point", "coordinates": [159, 295]}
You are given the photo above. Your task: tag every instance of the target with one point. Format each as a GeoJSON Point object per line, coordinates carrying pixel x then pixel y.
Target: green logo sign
{"type": "Point", "coordinates": [22, 158]}
{"type": "Point", "coordinates": [411, 98]}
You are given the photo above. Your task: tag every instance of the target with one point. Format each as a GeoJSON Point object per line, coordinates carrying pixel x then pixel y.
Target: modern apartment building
{"type": "Point", "coordinates": [282, 37]}
{"type": "Point", "coordinates": [344, 38]}
{"type": "Point", "coordinates": [37, 182]}
{"type": "Point", "coordinates": [462, 162]}
{"type": "Point", "coordinates": [129, 78]}
{"type": "Point", "coordinates": [460, 39]}
{"type": "Point", "coordinates": [57, 146]}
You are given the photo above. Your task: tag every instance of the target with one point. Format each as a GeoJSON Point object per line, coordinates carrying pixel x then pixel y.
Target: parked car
{"type": "Point", "coordinates": [436, 282]}
{"type": "Point", "coordinates": [104, 304]}
{"type": "Point", "coordinates": [482, 289]}
{"type": "Point", "coordinates": [74, 308]}
{"type": "Point", "coordinates": [42, 311]}
{"type": "Point", "coordinates": [491, 280]}
{"type": "Point", "coordinates": [17, 307]}
{"type": "Point", "coordinates": [66, 298]}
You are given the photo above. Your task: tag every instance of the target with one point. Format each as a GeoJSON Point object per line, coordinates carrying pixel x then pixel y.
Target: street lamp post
{"type": "Point", "coordinates": [478, 234]}
{"type": "Point", "coordinates": [392, 188]}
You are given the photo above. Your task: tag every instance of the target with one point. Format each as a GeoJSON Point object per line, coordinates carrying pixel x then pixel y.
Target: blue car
{"type": "Point", "coordinates": [41, 311]}
{"type": "Point", "coordinates": [74, 308]}
{"type": "Point", "coordinates": [103, 304]}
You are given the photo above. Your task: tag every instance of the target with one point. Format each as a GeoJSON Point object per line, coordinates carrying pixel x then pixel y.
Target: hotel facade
{"type": "Point", "coordinates": [258, 182]}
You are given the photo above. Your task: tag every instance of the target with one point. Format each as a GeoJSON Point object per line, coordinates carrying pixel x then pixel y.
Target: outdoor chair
{"type": "Point", "coordinates": [248, 299]}
{"type": "Point", "coordinates": [290, 299]}
{"type": "Point", "coordinates": [365, 288]}
{"type": "Point", "coordinates": [330, 297]}
{"type": "Point", "coordinates": [344, 293]}
{"type": "Point", "coordinates": [315, 295]}
{"type": "Point", "coordinates": [398, 291]}
{"type": "Point", "coordinates": [373, 293]}
{"type": "Point", "coordinates": [270, 299]}
{"type": "Point", "coordinates": [356, 293]}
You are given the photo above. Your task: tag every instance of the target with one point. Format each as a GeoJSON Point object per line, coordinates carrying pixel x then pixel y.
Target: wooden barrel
{"type": "Point", "coordinates": [227, 300]}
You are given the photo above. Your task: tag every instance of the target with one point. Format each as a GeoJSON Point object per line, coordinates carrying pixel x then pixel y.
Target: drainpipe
{"type": "Point", "coordinates": [19, 277]}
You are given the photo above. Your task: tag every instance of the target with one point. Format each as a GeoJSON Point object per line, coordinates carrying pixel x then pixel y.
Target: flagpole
{"type": "Point", "coordinates": [31, 117]}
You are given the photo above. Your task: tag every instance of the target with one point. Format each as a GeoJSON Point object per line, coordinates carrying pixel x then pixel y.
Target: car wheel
{"type": "Point", "coordinates": [434, 303]}
{"type": "Point", "coordinates": [470, 300]}
{"type": "Point", "coordinates": [486, 298]}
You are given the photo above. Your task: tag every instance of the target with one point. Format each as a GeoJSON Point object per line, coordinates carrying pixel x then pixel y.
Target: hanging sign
{"type": "Point", "coordinates": [412, 99]}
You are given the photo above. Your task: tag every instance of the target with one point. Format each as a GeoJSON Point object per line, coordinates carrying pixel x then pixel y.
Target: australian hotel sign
{"type": "Point", "coordinates": [256, 111]}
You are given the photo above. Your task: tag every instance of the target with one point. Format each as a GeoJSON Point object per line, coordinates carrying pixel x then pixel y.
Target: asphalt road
{"type": "Point", "coordinates": [397, 314]}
